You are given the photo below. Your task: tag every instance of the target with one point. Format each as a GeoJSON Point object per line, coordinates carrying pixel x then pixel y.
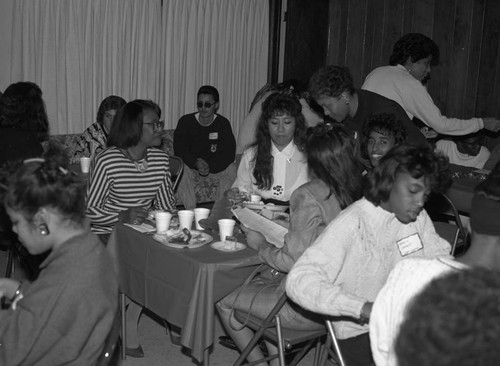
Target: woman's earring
{"type": "Point", "coordinates": [346, 102]}
{"type": "Point", "coordinates": [44, 230]}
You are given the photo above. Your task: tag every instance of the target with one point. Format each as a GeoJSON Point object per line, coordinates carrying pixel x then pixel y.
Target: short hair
{"type": "Point", "coordinates": [22, 107]}
{"type": "Point", "coordinates": [417, 161]}
{"type": "Point", "coordinates": [275, 105]}
{"type": "Point", "coordinates": [331, 81]}
{"type": "Point", "coordinates": [454, 321]}
{"type": "Point", "coordinates": [112, 102]}
{"type": "Point", "coordinates": [332, 156]}
{"type": "Point", "coordinates": [126, 130]}
{"type": "Point", "coordinates": [386, 124]}
{"type": "Point", "coordinates": [210, 90]}
{"type": "Point", "coordinates": [415, 46]}
{"type": "Point", "coordinates": [46, 182]}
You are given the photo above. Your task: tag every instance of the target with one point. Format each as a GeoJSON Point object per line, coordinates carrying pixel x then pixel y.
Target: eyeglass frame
{"type": "Point", "coordinates": [157, 126]}
{"type": "Point", "coordinates": [205, 104]}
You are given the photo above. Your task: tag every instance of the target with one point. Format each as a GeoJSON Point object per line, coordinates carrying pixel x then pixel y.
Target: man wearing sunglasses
{"type": "Point", "coordinates": [205, 142]}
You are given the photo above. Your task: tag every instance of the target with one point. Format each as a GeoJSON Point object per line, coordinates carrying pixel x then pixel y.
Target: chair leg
{"type": "Point", "coordinates": [124, 326]}
{"type": "Point", "coordinates": [329, 325]}
{"type": "Point", "coordinates": [281, 343]}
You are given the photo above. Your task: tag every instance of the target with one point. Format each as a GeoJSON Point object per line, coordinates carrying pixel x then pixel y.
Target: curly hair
{"type": "Point", "coordinates": [277, 104]}
{"type": "Point", "coordinates": [112, 102]}
{"type": "Point", "coordinates": [454, 321]}
{"type": "Point", "coordinates": [331, 81]}
{"type": "Point", "coordinates": [385, 124]}
{"type": "Point", "coordinates": [126, 130]}
{"type": "Point", "coordinates": [46, 182]}
{"type": "Point", "coordinates": [332, 156]}
{"type": "Point", "coordinates": [417, 161]}
{"type": "Point", "coordinates": [415, 46]}
{"type": "Point", "coordinates": [22, 107]}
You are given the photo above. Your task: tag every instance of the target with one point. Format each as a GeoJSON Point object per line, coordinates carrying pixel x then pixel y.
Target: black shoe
{"type": "Point", "coordinates": [134, 352]}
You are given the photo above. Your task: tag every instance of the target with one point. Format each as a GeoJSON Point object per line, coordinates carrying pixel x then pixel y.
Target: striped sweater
{"type": "Point", "coordinates": [116, 185]}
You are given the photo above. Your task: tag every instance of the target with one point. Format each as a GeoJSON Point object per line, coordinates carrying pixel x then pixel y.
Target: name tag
{"type": "Point", "coordinates": [410, 244]}
{"type": "Point", "coordinates": [213, 136]}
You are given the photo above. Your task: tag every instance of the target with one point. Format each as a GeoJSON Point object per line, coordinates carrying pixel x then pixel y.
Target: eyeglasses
{"type": "Point", "coordinates": [157, 126]}
{"type": "Point", "coordinates": [206, 104]}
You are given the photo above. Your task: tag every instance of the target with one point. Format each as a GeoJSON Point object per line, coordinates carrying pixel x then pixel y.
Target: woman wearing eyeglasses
{"type": "Point", "coordinates": [205, 142]}
{"type": "Point", "coordinates": [127, 180]}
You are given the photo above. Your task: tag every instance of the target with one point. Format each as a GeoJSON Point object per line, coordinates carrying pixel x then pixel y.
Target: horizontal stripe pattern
{"type": "Point", "coordinates": [116, 185]}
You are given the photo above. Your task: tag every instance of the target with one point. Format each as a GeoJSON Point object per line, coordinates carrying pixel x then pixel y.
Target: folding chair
{"type": "Point", "coordinates": [287, 340]}
{"type": "Point", "coordinates": [442, 210]}
{"type": "Point", "coordinates": [109, 355]}
{"type": "Point", "coordinates": [176, 168]}
{"type": "Point", "coordinates": [331, 348]}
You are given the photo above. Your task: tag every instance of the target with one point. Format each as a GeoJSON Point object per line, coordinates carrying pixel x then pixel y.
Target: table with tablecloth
{"type": "Point", "coordinates": [179, 285]}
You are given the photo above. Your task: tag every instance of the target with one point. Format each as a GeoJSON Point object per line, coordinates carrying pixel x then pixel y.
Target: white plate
{"type": "Point", "coordinates": [228, 246]}
{"type": "Point", "coordinates": [261, 206]}
{"type": "Point", "coordinates": [197, 240]}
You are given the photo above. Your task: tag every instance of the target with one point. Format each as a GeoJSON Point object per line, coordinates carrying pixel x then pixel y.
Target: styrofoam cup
{"type": "Point", "coordinates": [200, 213]}
{"type": "Point", "coordinates": [85, 164]}
{"type": "Point", "coordinates": [185, 219]}
{"type": "Point", "coordinates": [255, 198]}
{"type": "Point", "coordinates": [162, 219]}
{"type": "Point", "coordinates": [226, 227]}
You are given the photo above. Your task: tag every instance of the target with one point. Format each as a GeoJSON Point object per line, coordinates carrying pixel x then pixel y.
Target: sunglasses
{"type": "Point", "coordinates": [157, 126]}
{"type": "Point", "coordinates": [206, 104]}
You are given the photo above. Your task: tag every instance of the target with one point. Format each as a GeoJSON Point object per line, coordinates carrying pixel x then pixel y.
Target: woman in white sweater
{"type": "Point", "coordinates": [344, 269]}
{"type": "Point", "coordinates": [402, 81]}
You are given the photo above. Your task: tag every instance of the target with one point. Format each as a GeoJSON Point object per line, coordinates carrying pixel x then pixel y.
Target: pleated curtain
{"type": "Point", "coordinates": [81, 51]}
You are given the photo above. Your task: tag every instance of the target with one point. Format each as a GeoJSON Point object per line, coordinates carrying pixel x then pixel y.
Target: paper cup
{"type": "Point", "coordinates": [185, 219]}
{"type": "Point", "coordinates": [226, 227]}
{"type": "Point", "coordinates": [255, 198]}
{"type": "Point", "coordinates": [85, 164]}
{"type": "Point", "coordinates": [162, 219]}
{"type": "Point", "coordinates": [200, 213]}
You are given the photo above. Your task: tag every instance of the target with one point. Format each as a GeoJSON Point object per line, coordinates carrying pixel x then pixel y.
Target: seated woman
{"type": "Point", "coordinates": [402, 81]}
{"type": "Point", "coordinates": [93, 139]}
{"type": "Point", "coordinates": [466, 150]}
{"type": "Point", "coordinates": [334, 165]}
{"type": "Point", "coordinates": [333, 89]}
{"type": "Point", "coordinates": [341, 273]}
{"type": "Point", "coordinates": [275, 165]}
{"type": "Point", "coordinates": [65, 315]}
{"type": "Point", "coordinates": [380, 134]}
{"type": "Point", "coordinates": [128, 179]}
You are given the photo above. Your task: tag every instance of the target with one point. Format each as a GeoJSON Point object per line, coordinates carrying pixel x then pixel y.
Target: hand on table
{"type": "Point", "coordinates": [491, 123]}
{"type": "Point", "coordinates": [134, 215]}
{"type": "Point", "coordinates": [236, 196]}
{"type": "Point", "coordinates": [255, 240]}
{"type": "Point", "coordinates": [203, 167]}
{"type": "Point", "coordinates": [8, 287]}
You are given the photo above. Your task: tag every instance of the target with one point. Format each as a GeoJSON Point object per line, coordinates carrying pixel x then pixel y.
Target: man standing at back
{"type": "Point", "coordinates": [205, 142]}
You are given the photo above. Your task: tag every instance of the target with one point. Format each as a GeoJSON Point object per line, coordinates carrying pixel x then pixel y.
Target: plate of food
{"type": "Point", "coordinates": [262, 205]}
{"type": "Point", "coordinates": [228, 246]}
{"type": "Point", "coordinates": [184, 238]}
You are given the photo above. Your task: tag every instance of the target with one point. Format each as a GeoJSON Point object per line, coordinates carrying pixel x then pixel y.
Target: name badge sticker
{"type": "Point", "coordinates": [213, 136]}
{"type": "Point", "coordinates": [410, 244]}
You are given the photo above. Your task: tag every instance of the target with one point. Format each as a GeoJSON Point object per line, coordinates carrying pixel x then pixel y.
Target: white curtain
{"type": "Point", "coordinates": [80, 51]}
{"type": "Point", "coordinates": [223, 43]}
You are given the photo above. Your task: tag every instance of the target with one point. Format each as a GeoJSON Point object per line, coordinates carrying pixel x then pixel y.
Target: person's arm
{"type": "Point", "coordinates": [306, 223]}
{"type": "Point", "coordinates": [165, 197]}
{"type": "Point", "coordinates": [97, 195]}
{"type": "Point", "coordinates": [183, 141]}
{"type": "Point", "coordinates": [312, 282]}
{"type": "Point", "coordinates": [226, 147]}
{"type": "Point", "coordinates": [418, 102]}
{"type": "Point", "coordinates": [434, 245]}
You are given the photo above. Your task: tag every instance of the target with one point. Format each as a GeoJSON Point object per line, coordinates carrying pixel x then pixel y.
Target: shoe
{"type": "Point", "coordinates": [175, 337]}
{"type": "Point", "coordinates": [135, 352]}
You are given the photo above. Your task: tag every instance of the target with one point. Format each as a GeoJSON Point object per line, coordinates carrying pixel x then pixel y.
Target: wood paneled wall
{"type": "Point", "coordinates": [361, 34]}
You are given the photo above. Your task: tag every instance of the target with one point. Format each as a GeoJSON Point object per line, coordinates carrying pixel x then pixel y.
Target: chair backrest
{"type": "Point", "coordinates": [109, 355]}
{"type": "Point", "coordinates": [442, 209]}
{"type": "Point", "coordinates": [176, 168]}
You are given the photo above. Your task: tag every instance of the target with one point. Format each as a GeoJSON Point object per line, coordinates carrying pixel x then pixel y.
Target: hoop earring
{"type": "Point", "coordinates": [44, 230]}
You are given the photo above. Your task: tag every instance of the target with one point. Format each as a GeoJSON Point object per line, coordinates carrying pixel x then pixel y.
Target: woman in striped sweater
{"type": "Point", "coordinates": [127, 180]}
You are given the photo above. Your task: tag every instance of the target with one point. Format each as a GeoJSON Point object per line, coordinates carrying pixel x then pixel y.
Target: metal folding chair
{"type": "Point", "coordinates": [287, 340]}
{"type": "Point", "coordinates": [331, 348]}
{"type": "Point", "coordinates": [176, 166]}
